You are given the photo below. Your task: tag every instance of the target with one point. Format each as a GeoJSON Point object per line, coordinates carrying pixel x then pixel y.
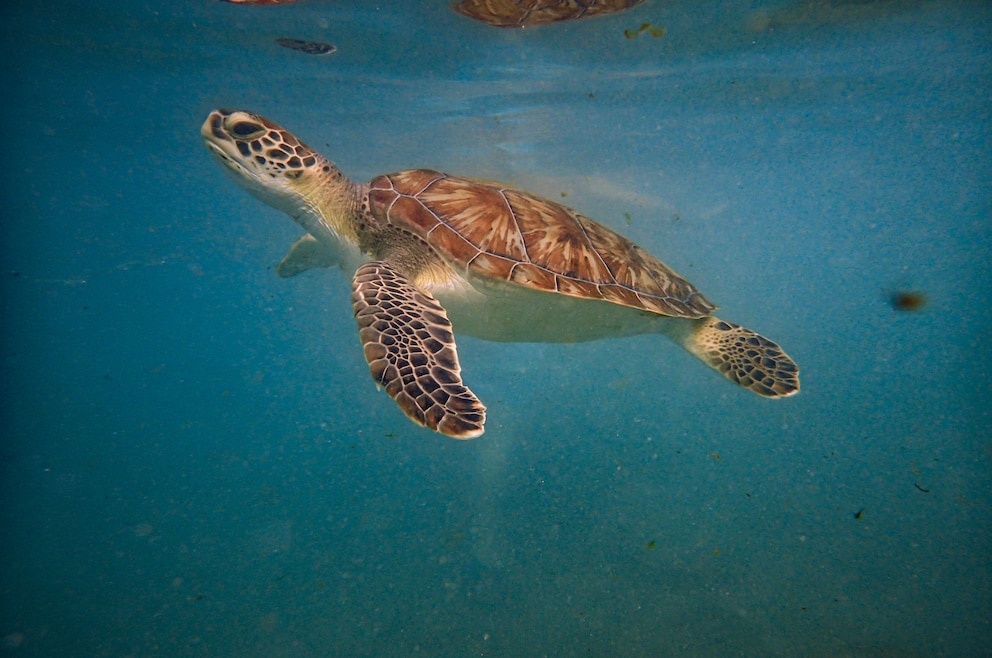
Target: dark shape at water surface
{"type": "Point", "coordinates": [308, 47]}
{"type": "Point", "coordinates": [524, 13]}
{"type": "Point", "coordinates": [908, 300]}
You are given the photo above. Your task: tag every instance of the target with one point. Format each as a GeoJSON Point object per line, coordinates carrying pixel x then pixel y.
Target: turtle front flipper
{"type": "Point", "coordinates": [744, 357]}
{"type": "Point", "coordinates": [411, 351]}
{"type": "Point", "coordinates": [307, 253]}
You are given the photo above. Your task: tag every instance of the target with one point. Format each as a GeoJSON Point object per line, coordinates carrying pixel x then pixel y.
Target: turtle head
{"type": "Point", "coordinates": [270, 162]}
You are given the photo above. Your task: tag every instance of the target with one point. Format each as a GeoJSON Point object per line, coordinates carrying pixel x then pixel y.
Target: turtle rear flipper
{"type": "Point", "coordinates": [744, 357]}
{"type": "Point", "coordinates": [410, 349]}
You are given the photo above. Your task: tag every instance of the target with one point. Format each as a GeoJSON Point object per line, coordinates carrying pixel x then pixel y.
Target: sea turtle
{"type": "Point", "coordinates": [525, 13]}
{"type": "Point", "coordinates": [503, 264]}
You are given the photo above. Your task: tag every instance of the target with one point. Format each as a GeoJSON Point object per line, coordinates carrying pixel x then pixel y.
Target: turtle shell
{"type": "Point", "coordinates": [508, 235]}
{"type": "Point", "coordinates": [522, 13]}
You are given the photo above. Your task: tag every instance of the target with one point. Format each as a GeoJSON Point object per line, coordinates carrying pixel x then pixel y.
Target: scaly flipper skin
{"type": "Point", "coordinates": [411, 351]}
{"type": "Point", "coordinates": [744, 357]}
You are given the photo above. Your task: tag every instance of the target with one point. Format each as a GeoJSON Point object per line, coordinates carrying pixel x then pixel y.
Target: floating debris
{"type": "Point", "coordinates": [908, 300]}
{"type": "Point", "coordinates": [525, 13]}
{"type": "Point", "coordinates": [655, 32]}
{"type": "Point", "coordinates": [308, 47]}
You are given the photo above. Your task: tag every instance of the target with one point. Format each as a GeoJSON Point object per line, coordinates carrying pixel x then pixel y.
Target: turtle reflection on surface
{"type": "Point", "coordinates": [525, 13]}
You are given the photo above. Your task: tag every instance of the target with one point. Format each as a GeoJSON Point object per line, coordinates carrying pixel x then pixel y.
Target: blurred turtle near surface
{"type": "Point", "coordinates": [525, 13]}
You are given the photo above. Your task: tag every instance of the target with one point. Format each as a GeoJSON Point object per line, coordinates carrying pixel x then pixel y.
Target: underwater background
{"type": "Point", "coordinates": [195, 461]}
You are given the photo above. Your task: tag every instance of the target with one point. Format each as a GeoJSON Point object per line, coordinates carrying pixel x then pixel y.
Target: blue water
{"type": "Point", "coordinates": [195, 462]}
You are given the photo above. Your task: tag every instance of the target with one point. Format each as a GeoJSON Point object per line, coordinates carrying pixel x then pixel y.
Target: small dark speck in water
{"type": "Point", "coordinates": [908, 300]}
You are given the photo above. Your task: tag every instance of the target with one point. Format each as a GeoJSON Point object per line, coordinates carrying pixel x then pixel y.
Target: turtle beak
{"type": "Point", "coordinates": [219, 141]}
{"type": "Point", "coordinates": [223, 148]}
{"type": "Point", "coordinates": [213, 128]}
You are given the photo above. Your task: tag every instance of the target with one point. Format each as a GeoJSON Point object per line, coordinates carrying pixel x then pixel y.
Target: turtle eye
{"type": "Point", "coordinates": [246, 129]}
